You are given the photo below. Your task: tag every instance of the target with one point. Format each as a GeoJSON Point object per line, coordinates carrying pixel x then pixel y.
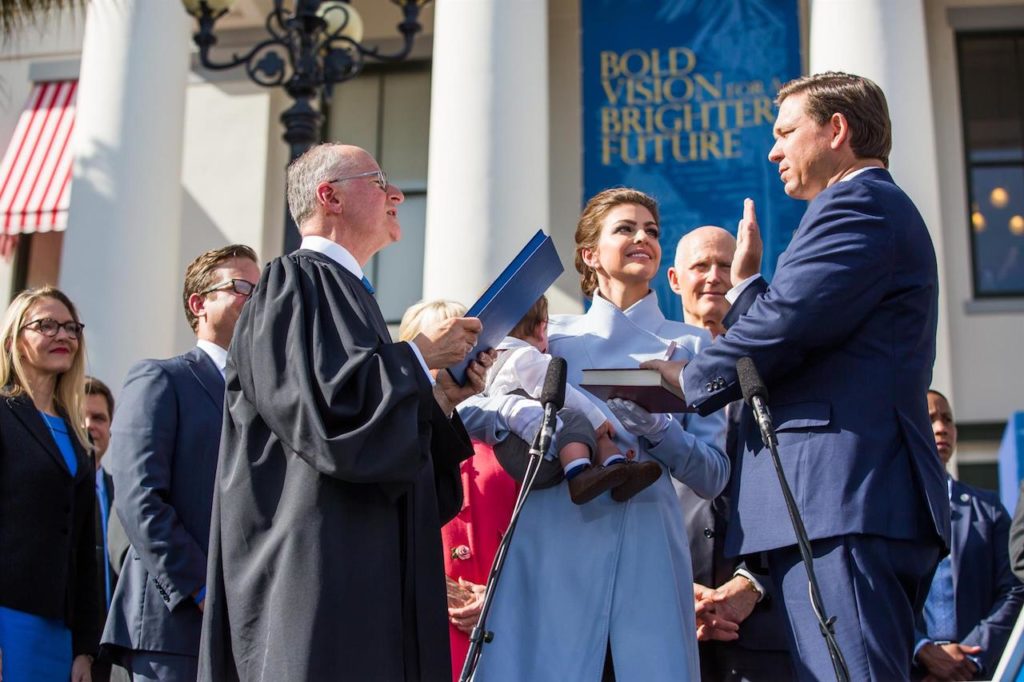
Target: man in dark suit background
{"type": "Point", "coordinates": [974, 597]}
{"type": "Point", "coordinates": [844, 338]}
{"type": "Point", "coordinates": [163, 456]}
{"type": "Point", "coordinates": [97, 411]}
{"type": "Point", "coordinates": [731, 590]}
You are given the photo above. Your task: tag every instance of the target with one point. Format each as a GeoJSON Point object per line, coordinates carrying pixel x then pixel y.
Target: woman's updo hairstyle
{"type": "Point", "coordinates": [588, 229]}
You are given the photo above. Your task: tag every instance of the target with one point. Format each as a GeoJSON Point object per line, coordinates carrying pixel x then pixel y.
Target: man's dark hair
{"type": "Point", "coordinates": [94, 386]}
{"type": "Point", "coordinates": [941, 395]}
{"type": "Point", "coordinates": [858, 99]}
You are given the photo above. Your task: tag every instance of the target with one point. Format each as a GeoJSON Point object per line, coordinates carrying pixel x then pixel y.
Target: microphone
{"type": "Point", "coordinates": [552, 397]}
{"type": "Point", "coordinates": [755, 394]}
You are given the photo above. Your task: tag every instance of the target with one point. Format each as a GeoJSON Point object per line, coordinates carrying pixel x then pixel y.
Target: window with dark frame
{"type": "Point", "coordinates": [991, 72]}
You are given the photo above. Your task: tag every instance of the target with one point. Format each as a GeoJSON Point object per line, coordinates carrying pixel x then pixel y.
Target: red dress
{"type": "Point", "coordinates": [472, 537]}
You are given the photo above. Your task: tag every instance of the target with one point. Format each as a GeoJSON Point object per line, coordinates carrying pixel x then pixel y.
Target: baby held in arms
{"type": "Point", "coordinates": [590, 460]}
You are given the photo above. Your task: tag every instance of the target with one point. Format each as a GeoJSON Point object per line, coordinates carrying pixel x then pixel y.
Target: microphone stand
{"type": "Point", "coordinates": [826, 624]}
{"type": "Point", "coordinates": [480, 635]}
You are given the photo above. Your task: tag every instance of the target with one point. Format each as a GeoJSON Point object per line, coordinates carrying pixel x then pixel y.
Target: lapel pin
{"type": "Point", "coordinates": [964, 497]}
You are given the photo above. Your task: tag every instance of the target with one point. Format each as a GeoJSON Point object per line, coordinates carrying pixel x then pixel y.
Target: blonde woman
{"type": "Point", "coordinates": [49, 602]}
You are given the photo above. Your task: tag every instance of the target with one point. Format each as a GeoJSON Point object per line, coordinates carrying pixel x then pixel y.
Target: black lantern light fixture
{"type": "Point", "coordinates": [312, 46]}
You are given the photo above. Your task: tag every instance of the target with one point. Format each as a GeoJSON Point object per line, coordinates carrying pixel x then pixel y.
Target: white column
{"type": "Point", "coordinates": [885, 40]}
{"type": "Point", "coordinates": [120, 261]}
{"type": "Point", "coordinates": [487, 190]}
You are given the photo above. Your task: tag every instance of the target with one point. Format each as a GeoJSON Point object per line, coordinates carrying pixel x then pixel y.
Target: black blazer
{"type": "Point", "coordinates": [47, 536]}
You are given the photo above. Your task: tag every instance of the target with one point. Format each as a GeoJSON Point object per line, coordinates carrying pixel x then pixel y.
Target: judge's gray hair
{"type": "Point", "coordinates": [317, 164]}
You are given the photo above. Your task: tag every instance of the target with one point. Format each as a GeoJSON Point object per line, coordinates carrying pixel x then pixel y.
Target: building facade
{"type": "Point", "coordinates": [481, 128]}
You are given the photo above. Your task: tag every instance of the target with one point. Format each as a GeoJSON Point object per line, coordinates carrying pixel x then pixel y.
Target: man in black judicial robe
{"type": "Point", "coordinates": [339, 458]}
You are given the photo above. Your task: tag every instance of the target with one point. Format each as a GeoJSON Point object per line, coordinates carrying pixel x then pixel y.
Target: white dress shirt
{"type": "Point", "coordinates": [216, 353]}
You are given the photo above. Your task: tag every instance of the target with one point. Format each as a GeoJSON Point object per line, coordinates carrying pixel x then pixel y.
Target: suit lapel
{"type": "Point", "coordinates": [26, 411]}
{"type": "Point", "coordinates": [208, 376]}
{"type": "Point", "coordinates": [871, 174]}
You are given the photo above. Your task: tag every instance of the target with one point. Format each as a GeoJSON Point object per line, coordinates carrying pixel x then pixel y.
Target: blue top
{"type": "Point", "coordinates": [59, 431]}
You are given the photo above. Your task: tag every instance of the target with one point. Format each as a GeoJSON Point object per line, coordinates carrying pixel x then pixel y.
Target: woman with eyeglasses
{"type": "Point", "coordinates": [49, 604]}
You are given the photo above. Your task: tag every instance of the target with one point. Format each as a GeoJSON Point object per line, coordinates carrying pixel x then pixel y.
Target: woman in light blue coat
{"type": "Point", "coordinates": [605, 588]}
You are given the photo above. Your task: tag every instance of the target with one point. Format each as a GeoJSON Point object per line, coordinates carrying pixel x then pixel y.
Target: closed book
{"type": "Point", "coordinates": [511, 295]}
{"type": "Point", "coordinates": [645, 387]}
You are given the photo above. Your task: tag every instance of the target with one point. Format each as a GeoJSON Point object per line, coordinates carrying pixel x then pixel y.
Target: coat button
{"type": "Point", "coordinates": [708, 533]}
{"type": "Point", "coordinates": [708, 386]}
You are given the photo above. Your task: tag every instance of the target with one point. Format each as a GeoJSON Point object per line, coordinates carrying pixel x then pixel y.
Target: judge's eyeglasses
{"type": "Point", "coordinates": [242, 287]}
{"type": "Point", "coordinates": [48, 326]}
{"type": "Point", "coordinates": [381, 180]}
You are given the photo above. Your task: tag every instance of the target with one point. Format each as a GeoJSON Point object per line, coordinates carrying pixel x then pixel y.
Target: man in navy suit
{"type": "Point", "coordinates": [974, 598]}
{"type": "Point", "coordinates": [845, 341]}
{"type": "Point", "coordinates": [163, 456]}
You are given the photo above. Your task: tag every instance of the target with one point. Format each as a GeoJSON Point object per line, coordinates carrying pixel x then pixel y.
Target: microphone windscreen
{"type": "Point", "coordinates": [554, 383]}
{"type": "Point", "coordinates": [750, 380]}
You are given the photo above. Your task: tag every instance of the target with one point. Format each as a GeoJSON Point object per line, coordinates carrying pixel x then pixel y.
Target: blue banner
{"type": "Point", "coordinates": [678, 101]}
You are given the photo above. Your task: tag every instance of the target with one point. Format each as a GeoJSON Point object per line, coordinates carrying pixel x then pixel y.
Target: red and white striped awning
{"type": "Point", "coordinates": [35, 175]}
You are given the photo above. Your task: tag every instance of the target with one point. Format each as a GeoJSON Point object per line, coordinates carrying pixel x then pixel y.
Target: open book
{"type": "Point", "coordinates": [645, 387]}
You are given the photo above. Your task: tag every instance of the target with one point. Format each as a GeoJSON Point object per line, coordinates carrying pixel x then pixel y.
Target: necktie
{"type": "Point", "coordinates": [104, 502]}
{"type": "Point", "coordinates": [368, 286]}
{"type": "Point", "coordinates": [940, 606]}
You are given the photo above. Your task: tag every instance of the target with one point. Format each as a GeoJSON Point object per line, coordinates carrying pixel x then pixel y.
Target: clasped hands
{"type": "Point", "coordinates": [465, 615]}
{"type": "Point", "coordinates": [720, 612]}
{"type": "Point", "coordinates": [948, 661]}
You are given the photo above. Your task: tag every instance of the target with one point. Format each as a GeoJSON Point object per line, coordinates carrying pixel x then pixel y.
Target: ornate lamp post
{"type": "Point", "coordinates": [312, 45]}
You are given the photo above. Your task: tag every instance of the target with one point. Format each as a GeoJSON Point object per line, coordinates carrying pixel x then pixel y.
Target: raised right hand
{"type": "Point", "coordinates": [749, 248]}
{"type": "Point", "coordinates": [447, 342]}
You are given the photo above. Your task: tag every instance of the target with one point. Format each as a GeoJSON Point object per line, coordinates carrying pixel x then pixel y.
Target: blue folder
{"type": "Point", "coordinates": [511, 296]}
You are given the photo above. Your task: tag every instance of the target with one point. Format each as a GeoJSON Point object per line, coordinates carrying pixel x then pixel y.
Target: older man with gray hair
{"type": "Point", "coordinates": [339, 457]}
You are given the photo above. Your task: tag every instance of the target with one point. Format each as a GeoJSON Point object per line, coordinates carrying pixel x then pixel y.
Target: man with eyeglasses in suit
{"type": "Point", "coordinates": [163, 456]}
